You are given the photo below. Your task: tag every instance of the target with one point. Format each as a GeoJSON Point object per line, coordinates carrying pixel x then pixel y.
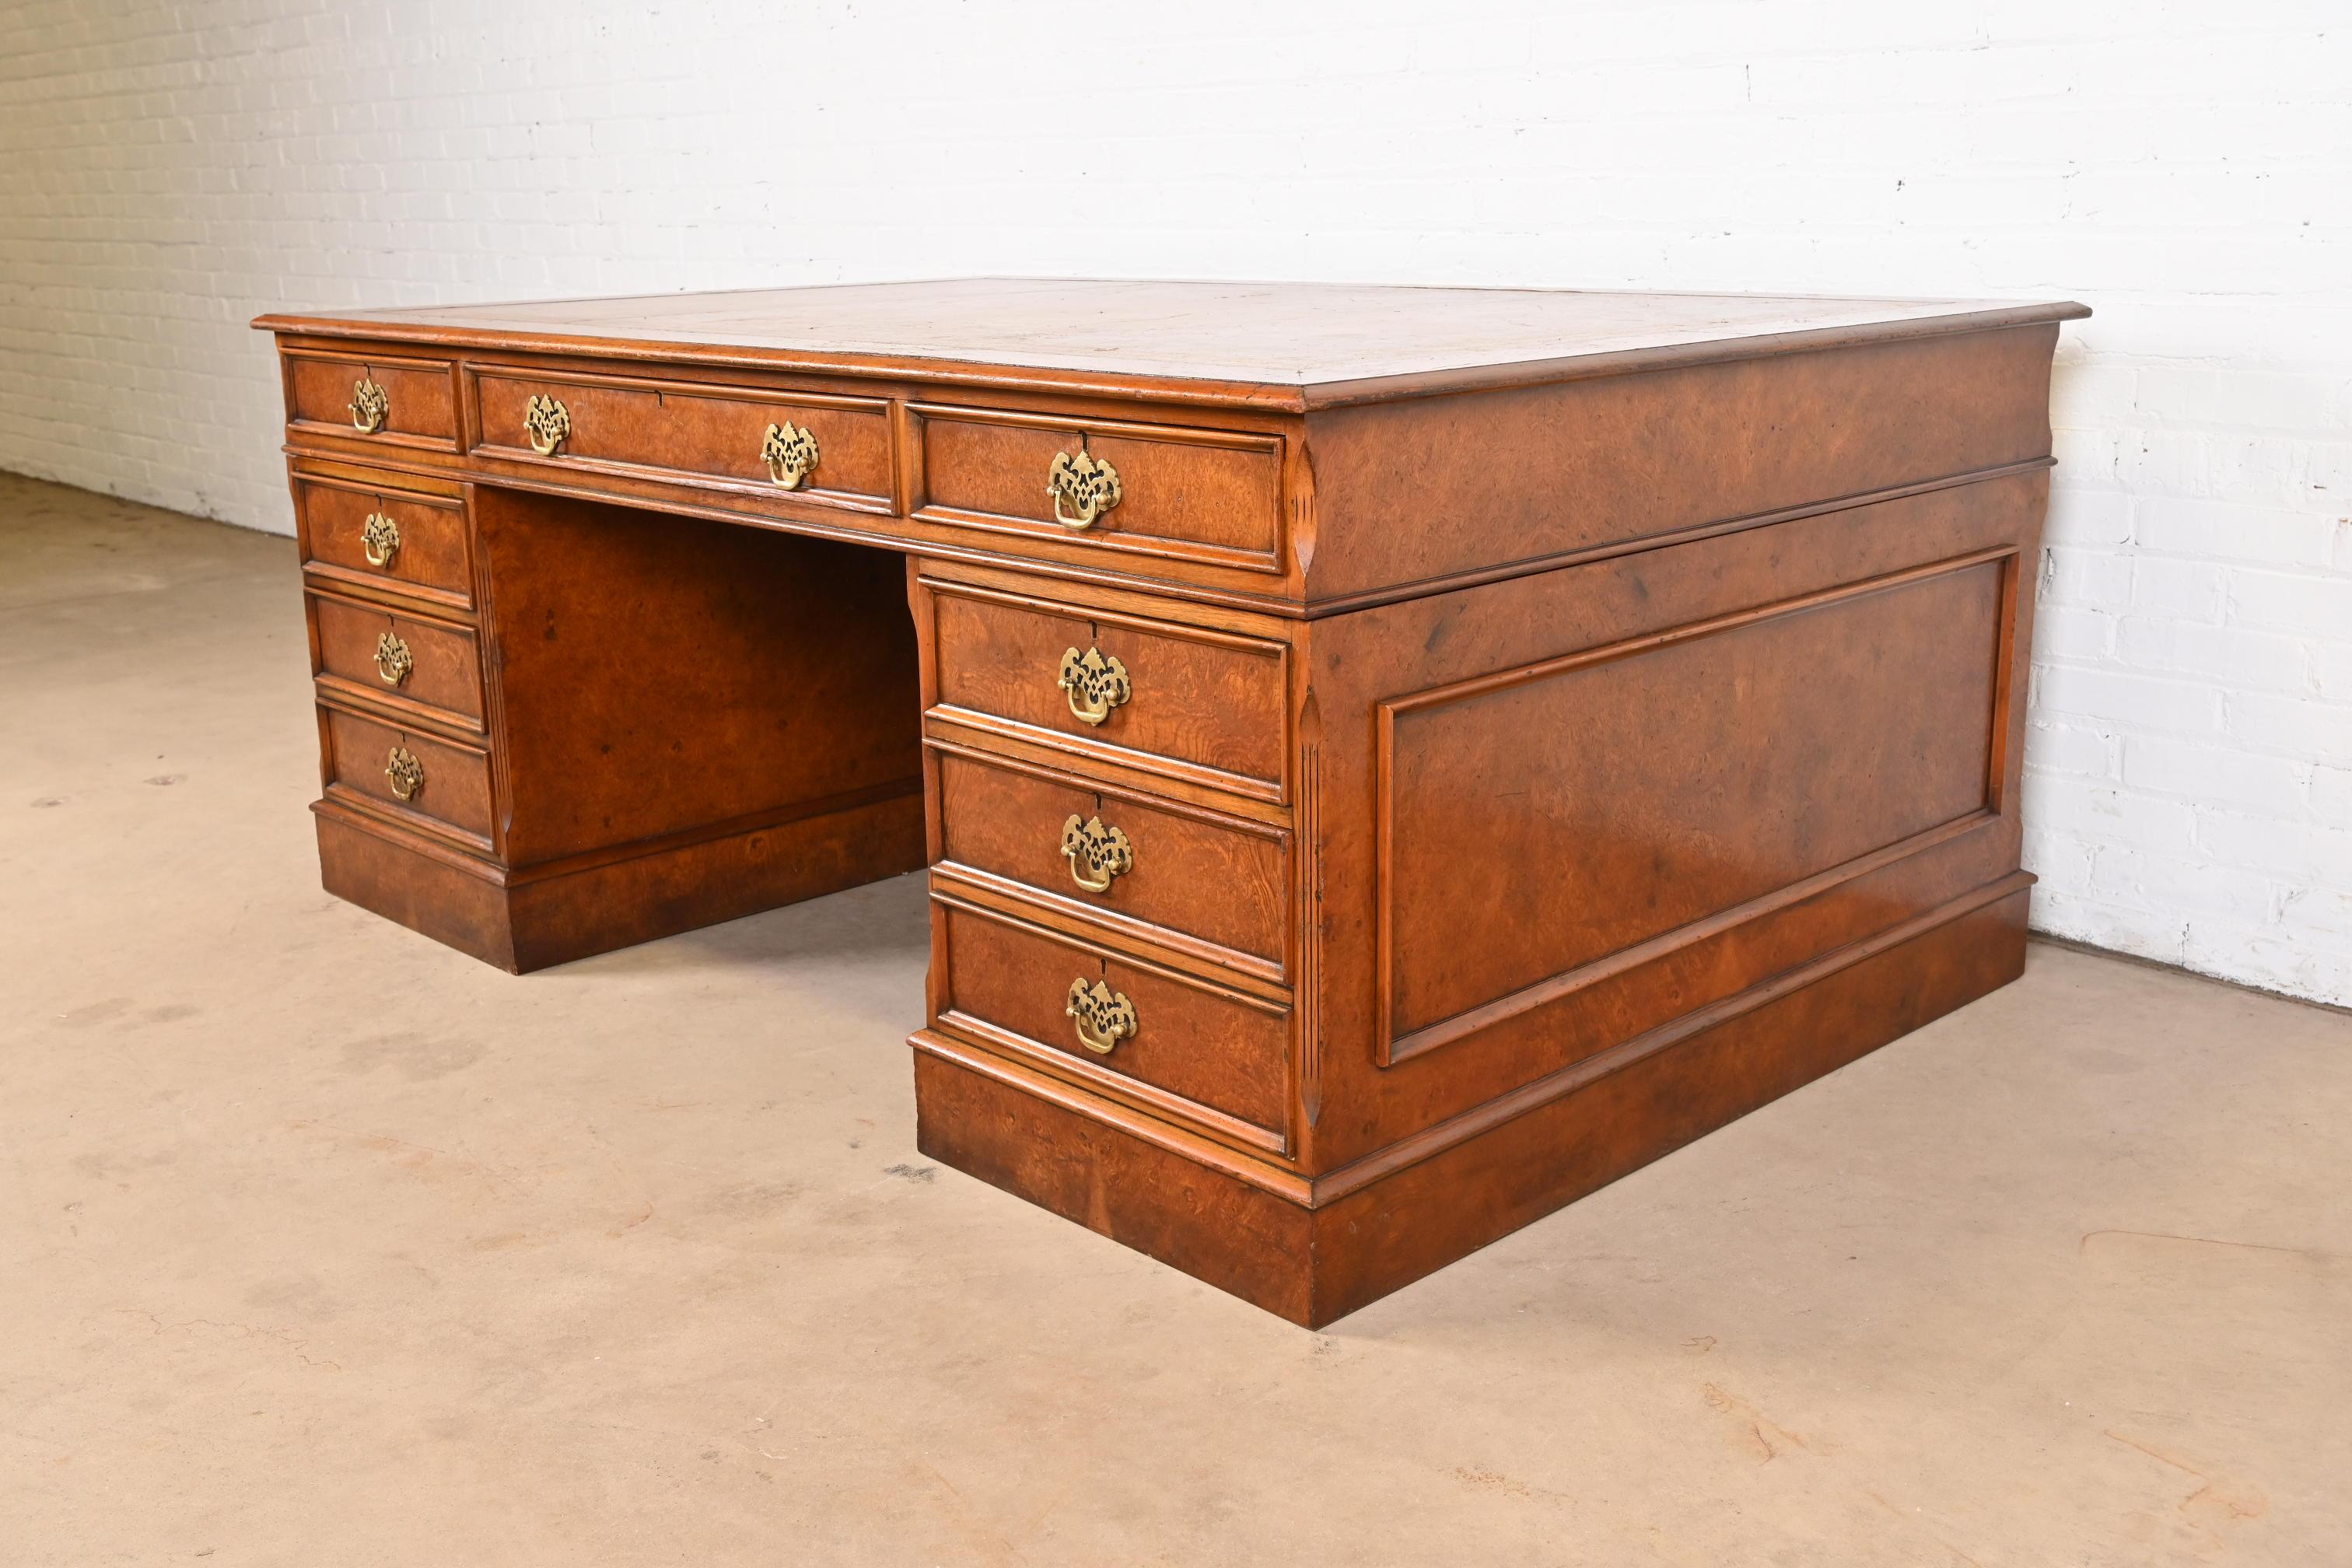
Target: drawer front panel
{"type": "Point", "coordinates": [419, 407]}
{"type": "Point", "coordinates": [1193, 1052]}
{"type": "Point", "coordinates": [384, 536]}
{"type": "Point", "coordinates": [387, 655]}
{"type": "Point", "coordinates": [1225, 883]}
{"type": "Point", "coordinates": [1209, 496]}
{"type": "Point", "coordinates": [711, 435]}
{"type": "Point", "coordinates": [1202, 706]}
{"type": "Point", "coordinates": [453, 796]}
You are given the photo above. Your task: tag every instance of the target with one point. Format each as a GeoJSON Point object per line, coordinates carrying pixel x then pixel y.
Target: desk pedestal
{"type": "Point", "coordinates": [681, 721]}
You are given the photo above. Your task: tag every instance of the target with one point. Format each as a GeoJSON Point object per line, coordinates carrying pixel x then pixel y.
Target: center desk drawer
{"type": "Point", "coordinates": [1181, 494]}
{"type": "Point", "coordinates": [1204, 707]}
{"type": "Point", "coordinates": [382, 654]}
{"type": "Point", "coordinates": [715, 436]}
{"type": "Point", "coordinates": [1213, 886]}
{"type": "Point", "coordinates": [1179, 1047]}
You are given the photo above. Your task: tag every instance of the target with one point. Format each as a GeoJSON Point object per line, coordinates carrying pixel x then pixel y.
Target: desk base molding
{"type": "Point", "coordinates": [532, 919]}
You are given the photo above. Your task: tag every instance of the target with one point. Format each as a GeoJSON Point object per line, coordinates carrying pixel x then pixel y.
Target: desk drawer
{"type": "Point", "coordinates": [386, 538]}
{"type": "Point", "coordinates": [393, 400]}
{"type": "Point", "coordinates": [1203, 1055]}
{"type": "Point", "coordinates": [715, 436]}
{"type": "Point", "coordinates": [439, 786]}
{"type": "Point", "coordinates": [1181, 494]}
{"type": "Point", "coordinates": [1185, 703]}
{"type": "Point", "coordinates": [397, 658]}
{"type": "Point", "coordinates": [1153, 870]}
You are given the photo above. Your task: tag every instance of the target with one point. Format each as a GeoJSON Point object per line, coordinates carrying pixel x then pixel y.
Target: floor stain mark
{"type": "Point", "coordinates": [1765, 1436]}
{"type": "Point", "coordinates": [2089, 1235]}
{"type": "Point", "coordinates": [2232, 1499]}
{"type": "Point", "coordinates": [286, 1337]}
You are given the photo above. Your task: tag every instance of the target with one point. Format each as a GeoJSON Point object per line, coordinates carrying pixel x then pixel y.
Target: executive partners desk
{"type": "Point", "coordinates": [1389, 761]}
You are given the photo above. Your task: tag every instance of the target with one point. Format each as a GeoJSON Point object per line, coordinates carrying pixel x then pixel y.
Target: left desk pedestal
{"type": "Point", "coordinates": [550, 727]}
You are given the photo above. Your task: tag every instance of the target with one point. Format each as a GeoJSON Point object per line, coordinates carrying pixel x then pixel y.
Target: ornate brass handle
{"type": "Point", "coordinates": [380, 537]}
{"type": "Point", "coordinates": [370, 406]}
{"type": "Point", "coordinates": [392, 660]}
{"type": "Point", "coordinates": [790, 453]}
{"type": "Point", "coordinates": [1105, 1017]}
{"type": "Point", "coordinates": [547, 422]}
{"type": "Point", "coordinates": [405, 774]}
{"type": "Point", "coordinates": [1093, 684]}
{"type": "Point", "coordinates": [1099, 856]}
{"type": "Point", "coordinates": [1088, 483]}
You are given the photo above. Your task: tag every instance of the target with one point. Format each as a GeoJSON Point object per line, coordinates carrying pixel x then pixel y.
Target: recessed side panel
{"type": "Point", "coordinates": [1546, 827]}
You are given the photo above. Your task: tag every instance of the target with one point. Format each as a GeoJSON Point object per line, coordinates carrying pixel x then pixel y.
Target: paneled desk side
{"type": "Point", "coordinates": [1389, 761]}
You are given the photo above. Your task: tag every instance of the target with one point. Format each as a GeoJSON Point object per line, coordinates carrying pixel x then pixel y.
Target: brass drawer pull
{"type": "Point", "coordinates": [370, 406]}
{"type": "Point", "coordinates": [1105, 1017]}
{"type": "Point", "coordinates": [547, 422]}
{"type": "Point", "coordinates": [1099, 856]}
{"type": "Point", "coordinates": [1093, 684]}
{"type": "Point", "coordinates": [790, 453]}
{"type": "Point", "coordinates": [392, 662]}
{"type": "Point", "coordinates": [405, 774]}
{"type": "Point", "coordinates": [380, 537]}
{"type": "Point", "coordinates": [1088, 483]}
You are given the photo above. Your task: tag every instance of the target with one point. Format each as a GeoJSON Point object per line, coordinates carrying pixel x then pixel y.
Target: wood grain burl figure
{"type": "Point", "coordinates": [1389, 761]}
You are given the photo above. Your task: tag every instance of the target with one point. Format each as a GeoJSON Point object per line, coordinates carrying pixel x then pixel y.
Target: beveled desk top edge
{"type": "Point", "coordinates": [1027, 358]}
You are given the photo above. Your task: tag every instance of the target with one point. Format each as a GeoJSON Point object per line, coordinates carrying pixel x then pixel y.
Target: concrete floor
{"type": "Point", "coordinates": [321, 1243]}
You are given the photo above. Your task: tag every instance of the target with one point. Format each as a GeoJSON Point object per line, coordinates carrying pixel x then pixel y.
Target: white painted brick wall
{"type": "Point", "coordinates": [169, 169]}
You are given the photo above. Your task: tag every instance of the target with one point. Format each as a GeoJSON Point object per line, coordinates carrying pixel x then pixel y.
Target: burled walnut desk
{"type": "Point", "coordinates": [1390, 760]}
